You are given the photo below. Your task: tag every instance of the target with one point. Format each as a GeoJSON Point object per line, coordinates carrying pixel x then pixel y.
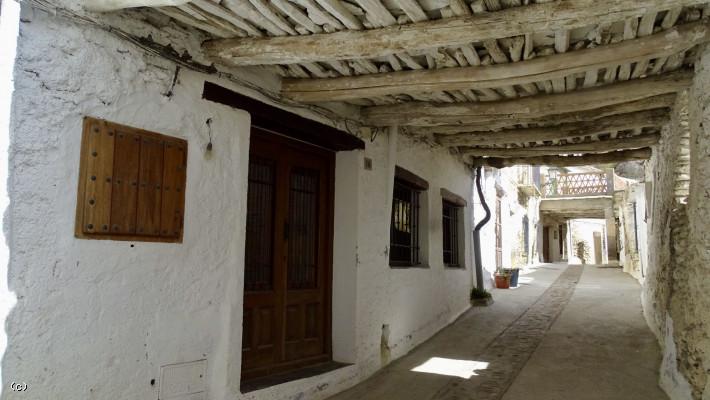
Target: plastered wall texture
{"type": "Point", "coordinates": [514, 207]}
{"type": "Point", "coordinates": [657, 280]}
{"type": "Point", "coordinates": [691, 309]}
{"type": "Point", "coordinates": [96, 319]}
{"type": "Point", "coordinates": [676, 291]}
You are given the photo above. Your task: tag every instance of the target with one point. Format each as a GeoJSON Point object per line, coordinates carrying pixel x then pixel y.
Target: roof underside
{"type": "Point", "coordinates": [508, 81]}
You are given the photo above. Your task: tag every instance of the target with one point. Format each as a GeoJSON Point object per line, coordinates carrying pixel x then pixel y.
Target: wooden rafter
{"type": "Point", "coordinates": [112, 5]}
{"type": "Point", "coordinates": [497, 123]}
{"type": "Point", "coordinates": [593, 147]}
{"type": "Point", "coordinates": [567, 161]}
{"type": "Point", "coordinates": [461, 30]}
{"type": "Point", "coordinates": [424, 113]}
{"type": "Point", "coordinates": [662, 44]}
{"type": "Point", "coordinates": [637, 120]}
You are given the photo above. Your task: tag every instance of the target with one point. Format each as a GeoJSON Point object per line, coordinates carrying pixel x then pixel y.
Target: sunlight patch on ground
{"type": "Point", "coordinates": [450, 367]}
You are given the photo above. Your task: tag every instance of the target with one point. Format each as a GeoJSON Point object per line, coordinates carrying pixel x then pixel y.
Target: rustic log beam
{"type": "Point", "coordinates": [567, 161]}
{"type": "Point", "coordinates": [595, 147]}
{"type": "Point", "coordinates": [423, 35]}
{"type": "Point", "coordinates": [659, 103]}
{"type": "Point", "coordinates": [640, 119]}
{"type": "Point", "coordinates": [112, 5]}
{"type": "Point", "coordinates": [534, 107]}
{"type": "Point", "coordinates": [555, 67]}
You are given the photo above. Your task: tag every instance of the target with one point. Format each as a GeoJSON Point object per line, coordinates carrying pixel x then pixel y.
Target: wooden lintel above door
{"type": "Point", "coordinates": [283, 122]}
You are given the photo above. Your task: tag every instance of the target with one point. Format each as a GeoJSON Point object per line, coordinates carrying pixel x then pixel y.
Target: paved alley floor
{"type": "Point", "coordinates": [572, 333]}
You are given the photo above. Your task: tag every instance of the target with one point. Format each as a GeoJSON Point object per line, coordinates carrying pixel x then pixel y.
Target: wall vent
{"type": "Point", "coordinates": [183, 381]}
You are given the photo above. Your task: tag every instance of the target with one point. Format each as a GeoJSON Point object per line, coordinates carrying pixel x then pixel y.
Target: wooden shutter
{"type": "Point", "coordinates": [131, 184]}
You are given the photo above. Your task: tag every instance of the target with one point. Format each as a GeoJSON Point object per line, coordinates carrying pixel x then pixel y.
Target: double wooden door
{"type": "Point", "coordinates": [288, 256]}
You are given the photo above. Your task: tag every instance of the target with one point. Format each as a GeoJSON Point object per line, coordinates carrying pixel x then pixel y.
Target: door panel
{"type": "Point", "coordinates": [288, 256]}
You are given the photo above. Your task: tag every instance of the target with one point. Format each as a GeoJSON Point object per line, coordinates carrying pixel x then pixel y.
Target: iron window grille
{"type": "Point", "coordinates": [450, 225]}
{"type": "Point", "coordinates": [404, 228]}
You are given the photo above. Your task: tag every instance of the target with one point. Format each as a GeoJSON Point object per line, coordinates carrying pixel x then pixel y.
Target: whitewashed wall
{"type": "Point", "coordinates": [97, 319]}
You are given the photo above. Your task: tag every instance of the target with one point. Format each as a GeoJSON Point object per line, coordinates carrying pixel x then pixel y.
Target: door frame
{"type": "Point", "coordinates": [262, 137]}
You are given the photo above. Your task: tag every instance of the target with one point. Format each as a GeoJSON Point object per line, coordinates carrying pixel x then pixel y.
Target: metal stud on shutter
{"type": "Point", "coordinates": [132, 184]}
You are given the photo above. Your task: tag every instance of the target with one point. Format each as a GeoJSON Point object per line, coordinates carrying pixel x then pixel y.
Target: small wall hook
{"type": "Point", "coordinates": [209, 132]}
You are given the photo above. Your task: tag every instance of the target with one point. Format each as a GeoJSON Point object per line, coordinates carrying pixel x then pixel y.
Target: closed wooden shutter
{"type": "Point", "coordinates": [131, 184]}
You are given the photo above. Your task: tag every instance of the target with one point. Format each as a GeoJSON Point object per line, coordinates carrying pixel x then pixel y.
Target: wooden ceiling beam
{"type": "Point", "coordinates": [514, 21]}
{"type": "Point", "coordinates": [558, 66]}
{"type": "Point", "coordinates": [591, 147]}
{"type": "Point", "coordinates": [113, 5]}
{"type": "Point", "coordinates": [568, 161]}
{"type": "Point", "coordinates": [660, 103]}
{"type": "Point", "coordinates": [534, 107]}
{"type": "Point", "coordinates": [637, 120]}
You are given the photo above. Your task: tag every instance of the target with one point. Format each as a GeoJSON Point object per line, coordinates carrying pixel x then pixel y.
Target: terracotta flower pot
{"type": "Point", "coordinates": [503, 281]}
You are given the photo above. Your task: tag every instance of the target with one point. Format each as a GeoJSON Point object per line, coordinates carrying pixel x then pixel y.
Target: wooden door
{"type": "Point", "coordinates": [597, 248]}
{"type": "Point", "coordinates": [288, 256]}
{"type": "Point", "coordinates": [546, 244]}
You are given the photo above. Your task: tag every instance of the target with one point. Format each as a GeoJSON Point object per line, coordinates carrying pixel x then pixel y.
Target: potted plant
{"type": "Point", "coordinates": [514, 274]}
{"type": "Point", "coordinates": [582, 251]}
{"type": "Point", "coordinates": [480, 297]}
{"type": "Point", "coordinates": [502, 279]}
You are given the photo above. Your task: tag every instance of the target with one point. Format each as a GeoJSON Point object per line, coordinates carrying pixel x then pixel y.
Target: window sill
{"type": "Point", "coordinates": [415, 266]}
{"type": "Point", "coordinates": [449, 266]}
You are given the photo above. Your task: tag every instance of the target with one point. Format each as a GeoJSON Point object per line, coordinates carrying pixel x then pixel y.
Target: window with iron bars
{"type": "Point", "coordinates": [450, 224]}
{"type": "Point", "coordinates": [404, 228]}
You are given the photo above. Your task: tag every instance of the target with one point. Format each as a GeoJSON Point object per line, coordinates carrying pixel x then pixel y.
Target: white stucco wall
{"type": "Point", "coordinates": [97, 319]}
{"type": "Point", "coordinates": [503, 181]}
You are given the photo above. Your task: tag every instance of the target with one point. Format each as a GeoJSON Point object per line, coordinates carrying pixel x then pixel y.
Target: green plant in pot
{"type": "Point", "coordinates": [480, 297]}
{"type": "Point", "coordinates": [514, 273]}
{"type": "Point", "coordinates": [502, 279]}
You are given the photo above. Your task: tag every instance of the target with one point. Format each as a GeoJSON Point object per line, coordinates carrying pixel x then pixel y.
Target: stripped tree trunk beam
{"type": "Point", "coordinates": [595, 147]}
{"type": "Point", "coordinates": [529, 107]}
{"type": "Point", "coordinates": [185, 18]}
{"type": "Point", "coordinates": [568, 161]}
{"type": "Point", "coordinates": [538, 69]}
{"type": "Point", "coordinates": [645, 28]}
{"type": "Point", "coordinates": [496, 123]}
{"type": "Point", "coordinates": [337, 8]}
{"type": "Point", "coordinates": [413, 10]}
{"type": "Point", "coordinates": [112, 5]}
{"type": "Point", "coordinates": [640, 119]}
{"type": "Point", "coordinates": [428, 34]}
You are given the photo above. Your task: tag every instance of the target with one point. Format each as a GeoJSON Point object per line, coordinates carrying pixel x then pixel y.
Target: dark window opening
{"type": "Point", "coordinates": [404, 228]}
{"type": "Point", "coordinates": [450, 225]}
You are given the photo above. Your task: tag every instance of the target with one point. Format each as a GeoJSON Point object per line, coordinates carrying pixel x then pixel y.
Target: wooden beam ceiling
{"type": "Point", "coordinates": [599, 146]}
{"type": "Point", "coordinates": [535, 107]}
{"type": "Point", "coordinates": [659, 103]}
{"type": "Point", "coordinates": [637, 120]}
{"type": "Point", "coordinates": [112, 5]}
{"type": "Point", "coordinates": [662, 44]}
{"type": "Point", "coordinates": [461, 30]}
{"type": "Point", "coordinates": [567, 161]}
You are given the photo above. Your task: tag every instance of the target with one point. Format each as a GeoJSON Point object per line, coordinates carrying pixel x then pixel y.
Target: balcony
{"type": "Point", "coordinates": [528, 179]}
{"type": "Point", "coordinates": [578, 185]}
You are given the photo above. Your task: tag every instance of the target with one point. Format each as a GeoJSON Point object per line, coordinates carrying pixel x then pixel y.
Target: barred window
{"type": "Point", "coordinates": [404, 230]}
{"type": "Point", "coordinates": [450, 224]}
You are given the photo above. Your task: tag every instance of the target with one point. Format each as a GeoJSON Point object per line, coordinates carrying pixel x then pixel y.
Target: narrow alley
{"type": "Point", "coordinates": [355, 199]}
{"type": "Point", "coordinates": [567, 332]}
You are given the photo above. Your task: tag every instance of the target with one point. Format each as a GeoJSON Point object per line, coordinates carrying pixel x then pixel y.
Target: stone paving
{"type": "Point", "coordinates": [566, 333]}
{"type": "Point", "coordinates": [509, 352]}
